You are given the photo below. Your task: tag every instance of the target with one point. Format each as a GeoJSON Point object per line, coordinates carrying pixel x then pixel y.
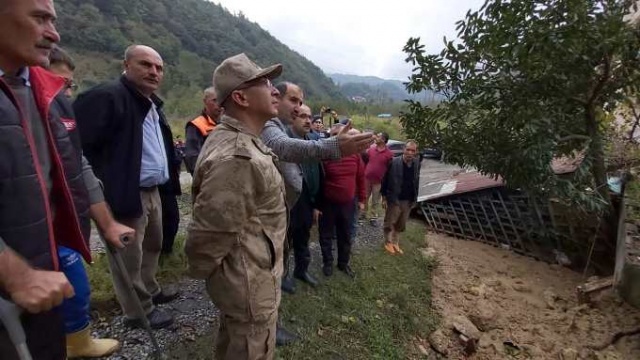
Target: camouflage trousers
{"type": "Point", "coordinates": [238, 340]}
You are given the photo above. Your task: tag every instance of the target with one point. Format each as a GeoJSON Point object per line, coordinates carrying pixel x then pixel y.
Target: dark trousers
{"type": "Point", "coordinates": [45, 337]}
{"type": "Point", "coordinates": [170, 220]}
{"type": "Point", "coordinates": [301, 221]}
{"type": "Point", "coordinates": [336, 219]}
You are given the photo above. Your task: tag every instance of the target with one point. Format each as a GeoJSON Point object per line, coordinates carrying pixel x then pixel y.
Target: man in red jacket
{"type": "Point", "coordinates": [344, 179]}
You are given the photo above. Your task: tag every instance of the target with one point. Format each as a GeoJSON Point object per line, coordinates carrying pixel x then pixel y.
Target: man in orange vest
{"type": "Point", "coordinates": [197, 130]}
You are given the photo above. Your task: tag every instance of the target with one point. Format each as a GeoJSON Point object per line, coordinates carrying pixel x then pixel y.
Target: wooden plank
{"type": "Point", "coordinates": [585, 290]}
{"type": "Point", "coordinates": [457, 219]}
{"type": "Point", "coordinates": [486, 217]}
{"type": "Point", "coordinates": [507, 212]}
{"type": "Point", "coordinates": [506, 237]}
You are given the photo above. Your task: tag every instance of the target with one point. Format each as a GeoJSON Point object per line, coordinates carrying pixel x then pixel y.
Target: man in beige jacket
{"type": "Point", "coordinates": [239, 221]}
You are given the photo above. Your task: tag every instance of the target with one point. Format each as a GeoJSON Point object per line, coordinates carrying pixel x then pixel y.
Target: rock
{"type": "Point", "coordinates": [607, 355]}
{"type": "Point", "coordinates": [479, 290]}
{"type": "Point", "coordinates": [550, 299]}
{"type": "Point", "coordinates": [428, 253]}
{"type": "Point", "coordinates": [485, 341]}
{"type": "Point", "coordinates": [547, 345]}
{"type": "Point", "coordinates": [521, 288]}
{"type": "Point", "coordinates": [464, 326]}
{"type": "Point", "coordinates": [423, 350]}
{"type": "Point", "coordinates": [534, 351]}
{"type": "Point", "coordinates": [569, 354]}
{"type": "Point", "coordinates": [439, 342]}
{"type": "Point", "coordinates": [469, 345]}
{"type": "Point", "coordinates": [483, 316]}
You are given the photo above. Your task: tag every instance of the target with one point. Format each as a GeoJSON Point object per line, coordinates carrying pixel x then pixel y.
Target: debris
{"type": "Point", "coordinates": [468, 344]}
{"type": "Point", "coordinates": [550, 299]}
{"type": "Point", "coordinates": [480, 290]}
{"type": "Point", "coordinates": [439, 342]}
{"type": "Point", "coordinates": [464, 326]}
{"type": "Point", "coordinates": [521, 288]}
{"type": "Point", "coordinates": [428, 253]}
{"type": "Point", "coordinates": [569, 354]}
{"type": "Point", "coordinates": [483, 316]}
{"type": "Point", "coordinates": [561, 258]}
{"type": "Point", "coordinates": [614, 339]}
{"type": "Point", "coordinates": [585, 290]}
{"type": "Point", "coordinates": [423, 350]}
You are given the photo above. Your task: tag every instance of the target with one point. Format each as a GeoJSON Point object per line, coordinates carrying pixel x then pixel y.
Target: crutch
{"type": "Point", "coordinates": [158, 354]}
{"type": "Point", "coordinates": [10, 317]}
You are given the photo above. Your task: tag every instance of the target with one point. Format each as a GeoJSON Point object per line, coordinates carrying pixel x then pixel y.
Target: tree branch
{"type": "Point", "coordinates": [603, 80]}
{"type": "Point", "coordinates": [574, 137]}
{"type": "Point", "coordinates": [636, 121]}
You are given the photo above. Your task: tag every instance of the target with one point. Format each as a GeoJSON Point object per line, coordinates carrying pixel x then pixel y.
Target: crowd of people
{"type": "Point", "coordinates": [264, 172]}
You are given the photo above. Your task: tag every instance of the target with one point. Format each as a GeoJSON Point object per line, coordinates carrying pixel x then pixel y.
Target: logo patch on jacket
{"type": "Point", "coordinates": [69, 124]}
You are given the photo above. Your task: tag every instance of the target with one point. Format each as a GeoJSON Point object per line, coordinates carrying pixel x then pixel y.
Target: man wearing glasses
{"type": "Point", "coordinates": [239, 222]}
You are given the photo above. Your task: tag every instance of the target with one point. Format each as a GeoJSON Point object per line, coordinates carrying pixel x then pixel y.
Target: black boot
{"type": "Point", "coordinates": [306, 277]}
{"type": "Point", "coordinates": [327, 269]}
{"type": "Point", "coordinates": [288, 285]}
{"type": "Point", "coordinates": [284, 337]}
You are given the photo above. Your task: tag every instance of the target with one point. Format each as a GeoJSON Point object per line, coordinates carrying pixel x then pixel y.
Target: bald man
{"type": "Point", "coordinates": [127, 140]}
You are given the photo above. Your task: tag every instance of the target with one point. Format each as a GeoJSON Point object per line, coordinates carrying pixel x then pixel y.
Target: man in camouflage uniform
{"type": "Point", "coordinates": [239, 221]}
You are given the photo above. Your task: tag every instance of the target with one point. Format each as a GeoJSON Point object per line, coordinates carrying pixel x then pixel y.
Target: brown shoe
{"type": "Point", "coordinates": [396, 247]}
{"type": "Point", "coordinates": [390, 248]}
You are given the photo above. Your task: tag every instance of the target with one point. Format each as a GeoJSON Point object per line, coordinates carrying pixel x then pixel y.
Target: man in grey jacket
{"type": "Point", "coordinates": [292, 152]}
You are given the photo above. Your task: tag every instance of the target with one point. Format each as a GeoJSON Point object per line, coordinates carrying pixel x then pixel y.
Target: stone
{"type": "Point", "coordinates": [468, 345]}
{"type": "Point", "coordinates": [479, 290]}
{"type": "Point", "coordinates": [428, 253]}
{"type": "Point", "coordinates": [464, 326]}
{"type": "Point", "coordinates": [439, 342]}
{"type": "Point", "coordinates": [521, 288]}
{"type": "Point", "coordinates": [549, 299]}
{"type": "Point", "coordinates": [483, 316]}
{"type": "Point", "coordinates": [568, 354]}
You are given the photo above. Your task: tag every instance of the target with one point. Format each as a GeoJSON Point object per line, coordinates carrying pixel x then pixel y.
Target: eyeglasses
{"type": "Point", "coordinates": [70, 84]}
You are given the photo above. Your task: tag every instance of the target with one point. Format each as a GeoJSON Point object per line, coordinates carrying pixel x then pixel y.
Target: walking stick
{"type": "Point", "coordinates": [136, 300]}
{"type": "Point", "coordinates": [10, 317]}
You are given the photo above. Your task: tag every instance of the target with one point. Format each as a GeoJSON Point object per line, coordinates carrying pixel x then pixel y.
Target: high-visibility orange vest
{"type": "Point", "coordinates": [204, 124]}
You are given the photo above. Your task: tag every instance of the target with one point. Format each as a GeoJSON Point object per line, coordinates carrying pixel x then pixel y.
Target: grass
{"type": "Point", "coordinates": [376, 316]}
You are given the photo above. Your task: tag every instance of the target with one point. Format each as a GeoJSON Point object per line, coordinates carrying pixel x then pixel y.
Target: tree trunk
{"type": "Point", "coordinates": [596, 150]}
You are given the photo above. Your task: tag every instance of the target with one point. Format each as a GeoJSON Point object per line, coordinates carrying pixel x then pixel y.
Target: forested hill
{"type": "Point", "coordinates": [193, 37]}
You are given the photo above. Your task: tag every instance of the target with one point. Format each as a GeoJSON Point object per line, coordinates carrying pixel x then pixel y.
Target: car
{"type": "Point", "coordinates": [432, 153]}
{"type": "Point", "coordinates": [396, 147]}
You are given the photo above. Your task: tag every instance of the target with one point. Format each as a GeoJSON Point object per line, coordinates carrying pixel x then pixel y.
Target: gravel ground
{"type": "Point", "coordinates": [194, 313]}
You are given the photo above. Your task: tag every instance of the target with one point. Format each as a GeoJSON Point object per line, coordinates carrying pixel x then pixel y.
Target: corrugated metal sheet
{"type": "Point", "coordinates": [458, 184]}
{"type": "Point", "coordinates": [463, 182]}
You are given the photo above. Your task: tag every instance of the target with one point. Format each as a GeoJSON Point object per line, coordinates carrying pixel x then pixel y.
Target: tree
{"type": "Point", "coordinates": [526, 82]}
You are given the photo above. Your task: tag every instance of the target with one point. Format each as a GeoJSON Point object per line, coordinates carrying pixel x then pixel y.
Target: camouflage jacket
{"type": "Point", "coordinates": [236, 236]}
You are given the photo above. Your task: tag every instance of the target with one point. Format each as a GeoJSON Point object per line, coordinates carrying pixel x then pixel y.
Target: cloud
{"type": "Point", "coordinates": [355, 36]}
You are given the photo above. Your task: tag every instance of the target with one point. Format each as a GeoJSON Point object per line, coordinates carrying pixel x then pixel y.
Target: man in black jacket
{"type": "Point", "coordinates": [127, 140]}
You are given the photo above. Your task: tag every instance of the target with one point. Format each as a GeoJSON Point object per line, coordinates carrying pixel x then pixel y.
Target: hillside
{"type": "Point", "coordinates": [193, 36]}
{"type": "Point", "coordinates": [376, 89]}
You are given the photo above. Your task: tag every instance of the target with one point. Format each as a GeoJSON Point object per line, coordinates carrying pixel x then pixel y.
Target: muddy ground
{"type": "Point", "coordinates": [520, 308]}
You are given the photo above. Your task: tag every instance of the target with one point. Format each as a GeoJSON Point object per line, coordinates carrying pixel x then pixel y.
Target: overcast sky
{"type": "Point", "coordinates": [356, 36]}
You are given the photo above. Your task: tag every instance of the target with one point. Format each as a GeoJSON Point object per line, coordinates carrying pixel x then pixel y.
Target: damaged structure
{"type": "Point", "coordinates": [471, 206]}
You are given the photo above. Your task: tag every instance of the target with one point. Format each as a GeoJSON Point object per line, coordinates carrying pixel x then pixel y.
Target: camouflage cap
{"type": "Point", "coordinates": [237, 70]}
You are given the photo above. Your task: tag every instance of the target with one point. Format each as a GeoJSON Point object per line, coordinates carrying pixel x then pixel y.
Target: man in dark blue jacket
{"type": "Point", "coordinates": [127, 140]}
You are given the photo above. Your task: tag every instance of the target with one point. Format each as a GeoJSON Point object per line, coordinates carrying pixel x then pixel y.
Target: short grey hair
{"type": "Point", "coordinates": [210, 91]}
